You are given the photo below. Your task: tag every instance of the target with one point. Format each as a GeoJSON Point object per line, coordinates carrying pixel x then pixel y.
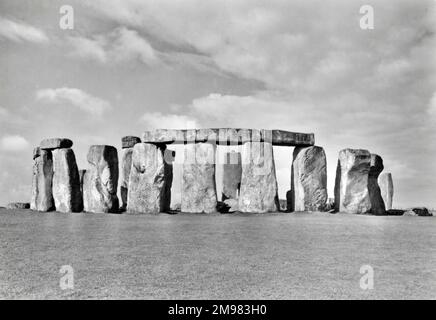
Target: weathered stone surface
{"type": "Point", "coordinates": [421, 212]}
{"type": "Point", "coordinates": [198, 186]}
{"type": "Point", "coordinates": [309, 179]}
{"type": "Point", "coordinates": [18, 205]}
{"type": "Point", "coordinates": [147, 181]}
{"type": "Point", "coordinates": [377, 203]}
{"type": "Point", "coordinates": [42, 194]}
{"type": "Point", "coordinates": [228, 136]}
{"type": "Point", "coordinates": [258, 183]}
{"type": "Point", "coordinates": [55, 143]}
{"type": "Point", "coordinates": [126, 165]}
{"type": "Point", "coordinates": [351, 187]}
{"type": "Point", "coordinates": [100, 183]}
{"type": "Point", "coordinates": [66, 181]}
{"type": "Point", "coordinates": [387, 189]}
{"type": "Point", "coordinates": [232, 173]}
{"type": "Point", "coordinates": [129, 141]}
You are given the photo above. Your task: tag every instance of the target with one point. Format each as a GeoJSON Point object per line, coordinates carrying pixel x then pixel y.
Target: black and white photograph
{"type": "Point", "coordinates": [236, 151]}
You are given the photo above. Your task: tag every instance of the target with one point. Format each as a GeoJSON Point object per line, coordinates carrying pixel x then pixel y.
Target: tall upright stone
{"type": "Point", "coordinates": [259, 191]}
{"type": "Point", "coordinates": [387, 189]}
{"type": "Point", "coordinates": [66, 181]}
{"type": "Point", "coordinates": [198, 183]}
{"type": "Point", "coordinates": [309, 179]}
{"type": "Point", "coordinates": [126, 163]}
{"type": "Point", "coordinates": [100, 183]}
{"type": "Point", "coordinates": [232, 174]}
{"type": "Point", "coordinates": [147, 181]}
{"type": "Point", "coordinates": [169, 157]}
{"type": "Point", "coordinates": [377, 203]}
{"type": "Point", "coordinates": [42, 193]}
{"type": "Point", "coordinates": [351, 186]}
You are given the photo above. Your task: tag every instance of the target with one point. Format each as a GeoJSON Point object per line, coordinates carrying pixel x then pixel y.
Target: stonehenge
{"type": "Point", "coordinates": [387, 189]}
{"type": "Point", "coordinates": [309, 179]}
{"type": "Point", "coordinates": [100, 182]}
{"type": "Point", "coordinates": [144, 175]}
{"type": "Point", "coordinates": [42, 195]}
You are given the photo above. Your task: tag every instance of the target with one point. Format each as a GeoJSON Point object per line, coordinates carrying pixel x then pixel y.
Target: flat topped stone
{"type": "Point", "coordinates": [129, 141]}
{"type": "Point", "coordinates": [55, 143]}
{"type": "Point", "coordinates": [228, 136]}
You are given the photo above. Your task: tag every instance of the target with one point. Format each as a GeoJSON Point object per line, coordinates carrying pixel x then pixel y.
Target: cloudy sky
{"type": "Point", "coordinates": [299, 65]}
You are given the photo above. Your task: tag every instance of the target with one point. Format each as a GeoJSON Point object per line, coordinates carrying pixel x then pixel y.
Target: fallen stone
{"type": "Point", "coordinates": [55, 143]}
{"type": "Point", "coordinates": [309, 179]}
{"type": "Point", "coordinates": [330, 204]}
{"type": "Point", "coordinates": [147, 181]}
{"type": "Point", "coordinates": [387, 189]}
{"type": "Point", "coordinates": [377, 203]}
{"type": "Point", "coordinates": [66, 181]}
{"type": "Point", "coordinates": [421, 212]}
{"type": "Point", "coordinates": [198, 185]}
{"type": "Point", "coordinates": [227, 206]}
{"type": "Point", "coordinates": [18, 205]}
{"type": "Point", "coordinates": [129, 141]}
{"type": "Point", "coordinates": [395, 212]}
{"type": "Point", "coordinates": [100, 183]}
{"type": "Point", "coordinates": [42, 180]}
{"type": "Point", "coordinates": [232, 172]}
{"type": "Point", "coordinates": [227, 136]}
{"type": "Point", "coordinates": [351, 186]}
{"type": "Point", "coordinates": [258, 183]}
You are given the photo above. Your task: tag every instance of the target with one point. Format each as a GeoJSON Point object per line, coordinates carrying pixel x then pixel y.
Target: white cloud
{"type": "Point", "coordinates": [13, 143]}
{"type": "Point", "coordinates": [155, 120]}
{"type": "Point", "coordinates": [121, 44]}
{"type": "Point", "coordinates": [20, 32]}
{"type": "Point", "coordinates": [76, 97]}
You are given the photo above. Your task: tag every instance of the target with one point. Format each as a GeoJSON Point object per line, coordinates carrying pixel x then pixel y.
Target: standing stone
{"type": "Point", "coordinates": [309, 179]}
{"type": "Point", "coordinates": [377, 203]}
{"type": "Point", "coordinates": [82, 177]}
{"type": "Point", "coordinates": [351, 187]}
{"type": "Point", "coordinates": [147, 181]}
{"type": "Point", "coordinates": [259, 191]}
{"type": "Point", "coordinates": [198, 183]}
{"type": "Point", "coordinates": [232, 173]}
{"type": "Point", "coordinates": [387, 189]}
{"type": "Point", "coordinates": [289, 201]}
{"type": "Point", "coordinates": [128, 143]}
{"type": "Point", "coordinates": [42, 194]}
{"type": "Point", "coordinates": [100, 183]}
{"type": "Point", "coordinates": [66, 181]}
{"type": "Point", "coordinates": [169, 157]}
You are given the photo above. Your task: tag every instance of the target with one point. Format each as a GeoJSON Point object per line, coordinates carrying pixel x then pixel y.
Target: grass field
{"type": "Point", "coordinates": [273, 256]}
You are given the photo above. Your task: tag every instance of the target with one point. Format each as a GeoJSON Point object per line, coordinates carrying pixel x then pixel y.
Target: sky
{"type": "Point", "coordinates": [128, 66]}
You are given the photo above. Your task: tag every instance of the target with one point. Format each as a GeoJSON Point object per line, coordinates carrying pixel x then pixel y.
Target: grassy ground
{"type": "Point", "coordinates": [274, 256]}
